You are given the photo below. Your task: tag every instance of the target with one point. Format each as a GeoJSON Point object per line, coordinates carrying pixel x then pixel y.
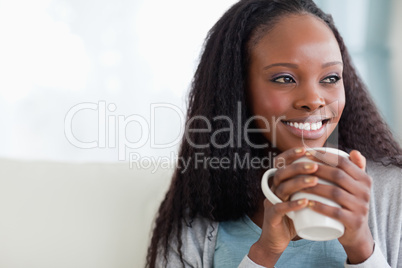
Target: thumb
{"type": "Point", "coordinates": [357, 158]}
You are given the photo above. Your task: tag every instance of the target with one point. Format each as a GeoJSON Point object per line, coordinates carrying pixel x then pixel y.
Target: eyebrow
{"type": "Point", "coordinates": [290, 65]}
{"type": "Point", "coordinates": [332, 63]}
{"type": "Point", "coordinates": [295, 66]}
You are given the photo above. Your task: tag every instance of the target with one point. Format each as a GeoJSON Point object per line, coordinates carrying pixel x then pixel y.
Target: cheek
{"type": "Point", "coordinates": [335, 102]}
{"type": "Point", "coordinates": [270, 105]}
{"type": "Point", "coordinates": [277, 105]}
{"type": "Point", "coordinates": [341, 101]}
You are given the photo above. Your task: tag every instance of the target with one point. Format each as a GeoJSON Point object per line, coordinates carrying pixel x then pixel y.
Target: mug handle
{"type": "Point", "coordinates": [267, 191]}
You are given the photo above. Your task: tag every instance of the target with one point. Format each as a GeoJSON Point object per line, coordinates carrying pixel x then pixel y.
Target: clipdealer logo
{"type": "Point", "coordinates": [112, 128]}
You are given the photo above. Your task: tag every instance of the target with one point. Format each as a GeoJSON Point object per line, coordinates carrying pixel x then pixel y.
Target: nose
{"type": "Point", "coordinates": [309, 99]}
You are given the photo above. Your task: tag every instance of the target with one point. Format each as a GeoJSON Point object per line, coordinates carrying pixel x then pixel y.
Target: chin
{"type": "Point", "coordinates": [300, 143]}
{"type": "Point", "coordinates": [314, 143]}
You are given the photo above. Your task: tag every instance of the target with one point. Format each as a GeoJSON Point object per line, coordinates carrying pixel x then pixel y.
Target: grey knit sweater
{"type": "Point", "coordinates": [385, 221]}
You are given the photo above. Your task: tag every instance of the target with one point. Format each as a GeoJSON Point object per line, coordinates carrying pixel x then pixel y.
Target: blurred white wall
{"type": "Point", "coordinates": [95, 68]}
{"type": "Point", "coordinates": [395, 40]}
{"type": "Point", "coordinates": [57, 54]}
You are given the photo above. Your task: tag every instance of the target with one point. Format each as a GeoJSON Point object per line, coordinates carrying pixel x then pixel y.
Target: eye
{"type": "Point", "coordinates": [283, 79]}
{"type": "Point", "coordinates": [332, 79]}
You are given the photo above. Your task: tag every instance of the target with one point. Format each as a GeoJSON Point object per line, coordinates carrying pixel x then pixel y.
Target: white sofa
{"type": "Point", "coordinates": [66, 215]}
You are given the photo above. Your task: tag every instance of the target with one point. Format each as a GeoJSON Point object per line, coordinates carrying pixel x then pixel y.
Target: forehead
{"type": "Point", "coordinates": [295, 36]}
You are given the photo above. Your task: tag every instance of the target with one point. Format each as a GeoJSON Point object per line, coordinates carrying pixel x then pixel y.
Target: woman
{"type": "Point", "coordinates": [282, 68]}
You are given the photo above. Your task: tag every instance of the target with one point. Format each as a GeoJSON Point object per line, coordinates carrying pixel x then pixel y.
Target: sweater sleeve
{"type": "Point", "coordinates": [198, 238]}
{"type": "Point", "coordinates": [376, 259]}
{"type": "Point", "coordinates": [385, 214]}
{"type": "Point", "coordinates": [248, 263]}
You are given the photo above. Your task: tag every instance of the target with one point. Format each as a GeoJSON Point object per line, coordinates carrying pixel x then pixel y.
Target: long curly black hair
{"type": "Point", "coordinates": [219, 89]}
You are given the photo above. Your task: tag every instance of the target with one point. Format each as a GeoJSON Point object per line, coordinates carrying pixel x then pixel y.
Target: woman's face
{"type": "Point", "coordinates": [295, 83]}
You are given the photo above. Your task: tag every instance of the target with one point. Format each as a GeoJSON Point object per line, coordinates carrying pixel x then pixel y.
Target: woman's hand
{"type": "Point", "coordinates": [352, 193]}
{"type": "Point", "coordinates": [277, 228]}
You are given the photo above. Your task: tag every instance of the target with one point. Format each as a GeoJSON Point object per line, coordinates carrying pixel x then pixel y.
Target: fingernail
{"type": "Point", "coordinates": [309, 166]}
{"type": "Point", "coordinates": [298, 150]}
{"type": "Point", "coordinates": [310, 179]}
{"type": "Point", "coordinates": [308, 154]}
{"type": "Point", "coordinates": [301, 201]}
{"type": "Point", "coordinates": [311, 203]}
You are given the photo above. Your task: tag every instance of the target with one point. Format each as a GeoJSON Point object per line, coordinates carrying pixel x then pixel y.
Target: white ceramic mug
{"type": "Point", "coordinates": [309, 224]}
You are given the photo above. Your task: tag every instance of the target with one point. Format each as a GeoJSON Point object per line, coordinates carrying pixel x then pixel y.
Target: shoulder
{"type": "Point", "coordinates": [199, 230]}
{"type": "Point", "coordinates": [386, 193]}
{"type": "Point", "coordinates": [383, 169]}
{"type": "Point", "coordinates": [385, 215]}
{"type": "Point", "coordinates": [385, 176]}
{"type": "Point", "coordinates": [197, 245]}
{"type": "Point", "coordinates": [387, 181]}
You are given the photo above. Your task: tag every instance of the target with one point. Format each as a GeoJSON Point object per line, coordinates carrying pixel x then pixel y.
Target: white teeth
{"type": "Point", "coordinates": [314, 126]}
{"type": "Point", "coordinates": [306, 126]}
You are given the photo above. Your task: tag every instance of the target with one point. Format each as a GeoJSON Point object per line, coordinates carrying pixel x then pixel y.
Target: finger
{"type": "Point", "coordinates": [349, 219]}
{"type": "Point", "coordinates": [278, 211]}
{"type": "Point", "coordinates": [353, 170]}
{"type": "Point", "coordinates": [357, 158]}
{"type": "Point", "coordinates": [338, 177]}
{"type": "Point", "coordinates": [299, 183]}
{"type": "Point", "coordinates": [286, 158]}
{"type": "Point", "coordinates": [356, 172]}
{"type": "Point", "coordinates": [339, 196]}
{"type": "Point", "coordinates": [293, 170]}
{"type": "Point", "coordinates": [360, 188]}
{"type": "Point", "coordinates": [324, 157]}
{"type": "Point", "coordinates": [347, 175]}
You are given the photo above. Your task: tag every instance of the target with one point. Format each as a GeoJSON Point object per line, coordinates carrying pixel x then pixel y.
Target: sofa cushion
{"type": "Point", "coordinates": [77, 215]}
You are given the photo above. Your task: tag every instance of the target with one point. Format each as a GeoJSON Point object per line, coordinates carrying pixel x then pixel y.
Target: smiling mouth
{"type": "Point", "coordinates": [307, 126]}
